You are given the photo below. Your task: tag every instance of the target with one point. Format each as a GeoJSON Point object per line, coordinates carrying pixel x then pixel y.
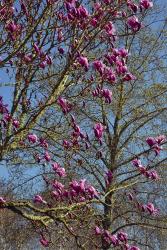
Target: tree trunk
{"type": "Point", "coordinates": [107, 219]}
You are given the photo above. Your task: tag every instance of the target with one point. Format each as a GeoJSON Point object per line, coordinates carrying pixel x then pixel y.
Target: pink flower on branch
{"type": "Point", "coordinates": [146, 4]}
{"type": "Point", "coordinates": [59, 170]}
{"type": "Point", "coordinates": [32, 138]}
{"type": "Point", "coordinates": [132, 6]}
{"type": "Point", "coordinates": [155, 143]}
{"type": "Point", "coordinates": [64, 104]}
{"type": "Point", "coordinates": [2, 200]}
{"type": "Point", "coordinates": [39, 199]}
{"type": "Point", "coordinates": [134, 23]}
{"type": "Point", "coordinates": [47, 156]}
{"type": "Point", "coordinates": [83, 61]}
{"type": "Point", "coordinates": [44, 241]}
{"type": "Point", "coordinates": [98, 131]}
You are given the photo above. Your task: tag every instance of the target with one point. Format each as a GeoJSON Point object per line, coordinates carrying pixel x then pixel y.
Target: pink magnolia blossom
{"type": "Point", "coordinates": [32, 138]}
{"type": "Point", "coordinates": [47, 156]}
{"type": "Point", "coordinates": [7, 117]}
{"type": "Point", "coordinates": [98, 131]}
{"type": "Point", "coordinates": [83, 12]}
{"type": "Point", "coordinates": [124, 14]}
{"type": "Point", "coordinates": [146, 4]}
{"type": "Point", "coordinates": [61, 50]}
{"type": "Point", "coordinates": [75, 186]}
{"type": "Point", "coordinates": [110, 29]}
{"type": "Point", "coordinates": [107, 94]}
{"type": "Point", "coordinates": [155, 143]}
{"type": "Point", "coordinates": [151, 209]}
{"type": "Point", "coordinates": [44, 241]}
{"type": "Point", "coordinates": [64, 104]}
{"type": "Point", "coordinates": [134, 23]}
{"type": "Point", "coordinates": [151, 141]}
{"type": "Point", "coordinates": [129, 77]}
{"type": "Point", "coordinates": [157, 149]}
{"type": "Point", "coordinates": [66, 144]}
{"type": "Point", "coordinates": [94, 22]}
{"type": "Point", "coordinates": [16, 123]}
{"type": "Point", "coordinates": [83, 61]}
{"type": "Point", "coordinates": [123, 53]}
{"type": "Point", "coordinates": [111, 58]}
{"type": "Point", "coordinates": [143, 170]}
{"type": "Point", "coordinates": [36, 48]}
{"type": "Point", "coordinates": [58, 186]}
{"type": "Point", "coordinates": [49, 60]}
{"type": "Point", "coordinates": [42, 65]}
{"type": "Point", "coordinates": [132, 6]}
{"type": "Point", "coordinates": [121, 68]}
{"type": "Point", "coordinates": [2, 200]}
{"type": "Point", "coordinates": [92, 192]}
{"type": "Point", "coordinates": [55, 166]}
{"type": "Point", "coordinates": [98, 231]}
{"type": "Point", "coordinates": [99, 66]}
{"type": "Point", "coordinates": [61, 172]}
{"type": "Point", "coordinates": [136, 162]}
{"type": "Point", "coordinates": [114, 240]}
{"type": "Point", "coordinates": [153, 175]}
{"type": "Point", "coordinates": [43, 143]}
{"type": "Point", "coordinates": [160, 139]}
{"type": "Point", "coordinates": [82, 185]}
{"type": "Point", "coordinates": [39, 199]}
{"type": "Point", "coordinates": [109, 74]}
{"type": "Point", "coordinates": [122, 237]}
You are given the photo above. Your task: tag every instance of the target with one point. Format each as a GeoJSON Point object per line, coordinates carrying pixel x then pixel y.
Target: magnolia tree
{"type": "Point", "coordinates": [80, 114]}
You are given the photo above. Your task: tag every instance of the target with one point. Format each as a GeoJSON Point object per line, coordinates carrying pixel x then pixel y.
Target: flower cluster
{"type": "Point", "coordinates": [155, 143]}
{"type": "Point", "coordinates": [146, 4]}
{"type": "Point", "coordinates": [133, 21]}
{"type": "Point", "coordinates": [116, 240]}
{"type": "Point", "coordinates": [59, 170]}
{"type": "Point", "coordinates": [44, 241]}
{"type": "Point", "coordinates": [98, 131]}
{"type": "Point", "coordinates": [150, 174]}
{"type": "Point", "coordinates": [44, 59]}
{"type": "Point", "coordinates": [77, 191]}
{"type": "Point", "coordinates": [117, 66]}
{"type": "Point", "coordinates": [77, 138]}
{"type": "Point", "coordinates": [149, 208]}
{"type": "Point", "coordinates": [38, 199]}
{"type": "Point", "coordinates": [79, 13]}
{"type": "Point", "coordinates": [34, 139]}
{"type": "Point", "coordinates": [83, 61]}
{"type": "Point", "coordinates": [64, 104]}
{"type": "Point", "coordinates": [143, 207]}
{"type": "Point", "coordinates": [6, 116]}
{"type": "Point", "coordinates": [100, 92]}
{"type": "Point", "coordinates": [13, 30]}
